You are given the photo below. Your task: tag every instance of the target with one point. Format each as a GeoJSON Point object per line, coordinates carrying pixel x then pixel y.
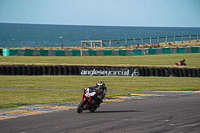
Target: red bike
{"type": "Point", "coordinates": [89, 100]}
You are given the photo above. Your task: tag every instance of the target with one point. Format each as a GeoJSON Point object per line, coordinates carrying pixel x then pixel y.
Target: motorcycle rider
{"type": "Point", "coordinates": [180, 63]}
{"type": "Point", "coordinates": [101, 87]}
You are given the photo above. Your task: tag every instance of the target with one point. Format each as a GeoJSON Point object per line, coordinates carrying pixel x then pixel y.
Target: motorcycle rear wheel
{"type": "Point", "coordinates": [81, 106]}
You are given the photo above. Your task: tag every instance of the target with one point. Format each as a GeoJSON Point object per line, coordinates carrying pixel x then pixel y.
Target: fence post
{"type": "Point", "coordinates": [134, 41]}
{"type": "Point", "coordinates": [182, 38]}
{"type": "Point", "coordinates": [142, 41]}
{"type": "Point", "coordinates": [126, 42]}
{"type": "Point", "coordinates": [81, 43]}
{"type": "Point", "coordinates": [91, 43]}
{"type": "Point", "coordinates": [174, 38]}
{"type": "Point", "coordinates": [101, 43]}
{"type": "Point", "coordinates": [197, 37]}
{"type": "Point", "coordinates": [189, 38]}
{"type": "Point", "coordinates": [166, 40]}
{"type": "Point", "coordinates": [150, 40]}
{"type": "Point", "coordinates": [118, 43]}
{"type": "Point", "coordinates": [158, 40]}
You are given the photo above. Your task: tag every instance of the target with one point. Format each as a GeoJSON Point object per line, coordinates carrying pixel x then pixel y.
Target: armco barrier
{"type": "Point", "coordinates": [129, 52]}
{"type": "Point", "coordinates": [21, 52]}
{"type": "Point", "coordinates": [99, 52]}
{"type": "Point", "coordinates": [107, 52]}
{"type": "Point", "coordinates": [159, 51]}
{"type": "Point", "coordinates": [36, 52]}
{"type": "Point", "coordinates": [44, 52]}
{"type": "Point", "coordinates": [68, 53]}
{"type": "Point", "coordinates": [188, 49]}
{"type": "Point", "coordinates": [98, 70]}
{"type": "Point", "coordinates": [85, 52]}
{"type": "Point", "coordinates": [76, 53]}
{"type": "Point", "coordinates": [29, 52]}
{"type": "Point", "coordinates": [89, 52]}
{"type": "Point", "coordinates": [145, 51]}
{"type": "Point", "coordinates": [173, 50]}
{"type": "Point", "coordinates": [180, 50]}
{"type": "Point", "coordinates": [152, 51]}
{"type": "Point", "coordinates": [195, 49]}
{"type": "Point", "coordinates": [122, 52]}
{"type": "Point", "coordinates": [137, 52]}
{"type": "Point", "coordinates": [60, 52]}
{"type": "Point", "coordinates": [115, 52]}
{"type": "Point", "coordinates": [166, 50]}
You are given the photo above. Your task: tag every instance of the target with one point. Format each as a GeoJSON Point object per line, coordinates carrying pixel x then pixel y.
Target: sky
{"type": "Point", "coordinates": [153, 13]}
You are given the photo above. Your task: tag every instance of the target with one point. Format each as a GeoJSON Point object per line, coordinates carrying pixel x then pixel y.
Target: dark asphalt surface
{"type": "Point", "coordinates": [177, 112]}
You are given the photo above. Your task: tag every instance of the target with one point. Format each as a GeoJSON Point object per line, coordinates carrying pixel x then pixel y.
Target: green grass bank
{"type": "Point", "coordinates": [167, 60]}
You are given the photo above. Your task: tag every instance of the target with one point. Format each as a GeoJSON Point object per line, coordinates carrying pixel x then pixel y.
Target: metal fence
{"type": "Point", "coordinates": [130, 42]}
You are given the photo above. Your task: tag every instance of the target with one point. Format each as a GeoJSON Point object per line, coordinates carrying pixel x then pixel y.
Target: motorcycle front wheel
{"type": "Point", "coordinates": [94, 107]}
{"type": "Point", "coordinates": [92, 110]}
{"type": "Point", "coordinates": [81, 106]}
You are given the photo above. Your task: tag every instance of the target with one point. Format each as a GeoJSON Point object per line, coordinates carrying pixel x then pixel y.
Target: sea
{"type": "Point", "coordinates": [41, 35]}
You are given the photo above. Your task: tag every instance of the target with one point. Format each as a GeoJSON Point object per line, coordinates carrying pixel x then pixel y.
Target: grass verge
{"type": "Point", "coordinates": [127, 83]}
{"type": "Point", "coordinates": [30, 95]}
{"type": "Point", "coordinates": [23, 97]}
{"type": "Point", "coordinates": [166, 60]}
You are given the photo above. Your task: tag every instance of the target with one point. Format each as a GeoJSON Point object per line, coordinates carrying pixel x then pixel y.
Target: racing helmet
{"type": "Point", "coordinates": [183, 60]}
{"type": "Point", "coordinates": [100, 83]}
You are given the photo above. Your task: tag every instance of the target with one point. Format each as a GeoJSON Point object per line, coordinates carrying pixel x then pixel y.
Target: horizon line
{"type": "Point", "coordinates": [97, 25]}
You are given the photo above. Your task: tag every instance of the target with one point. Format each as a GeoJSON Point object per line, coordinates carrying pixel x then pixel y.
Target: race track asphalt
{"type": "Point", "coordinates": [176, 112]}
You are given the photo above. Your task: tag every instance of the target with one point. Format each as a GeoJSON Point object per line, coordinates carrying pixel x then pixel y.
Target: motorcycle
{"type": "Point", "coordinates": [176, 64]}
{"type": "Point", "coordinates": [89, 100]}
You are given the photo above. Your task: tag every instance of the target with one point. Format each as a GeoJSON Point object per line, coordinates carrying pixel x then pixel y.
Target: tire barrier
{"type": "Point", "coordinates": [157, 72]}
{"type": "Point", "coordinates": [1, 52]}
{"type": "Point", "coordinates": [60, 70]}
{"type": "Point", "coordinates": [198, 72]}
{"type": "Point", "coordinates": [152, 72]}
{"type": "Point", "coordinates": [98, 71]}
